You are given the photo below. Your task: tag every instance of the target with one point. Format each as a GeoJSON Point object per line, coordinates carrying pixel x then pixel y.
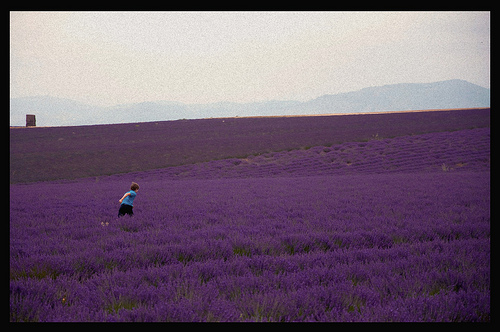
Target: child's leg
{"type": "Point", "coordinates": [122, 211]}
{"type": "Point", "coordinates": [130, 211]}
{"type": "Point", "coordinates": [125, 209]}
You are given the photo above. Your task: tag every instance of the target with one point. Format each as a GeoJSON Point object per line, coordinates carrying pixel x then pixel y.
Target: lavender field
{"type": "Point", "coordinates": [44, 154]}
{"type": "Point", "coordinates": [367, 229]}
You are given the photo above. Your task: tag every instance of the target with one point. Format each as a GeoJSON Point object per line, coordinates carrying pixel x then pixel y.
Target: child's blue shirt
{"type": "Point", "coordinates": [129, 200]}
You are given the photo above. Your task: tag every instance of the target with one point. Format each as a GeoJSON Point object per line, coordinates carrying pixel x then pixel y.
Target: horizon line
{"type": "Point", "coordinates": [237, 102]}
{"type": "Point", "coordinates": [269, 116]}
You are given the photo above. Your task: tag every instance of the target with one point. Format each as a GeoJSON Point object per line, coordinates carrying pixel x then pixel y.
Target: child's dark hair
{"type": "Point", "coordinates": [134, 186]}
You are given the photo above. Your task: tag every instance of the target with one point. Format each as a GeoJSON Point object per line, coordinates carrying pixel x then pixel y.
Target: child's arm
{"type": "Point", "coordinates": [121, 199]}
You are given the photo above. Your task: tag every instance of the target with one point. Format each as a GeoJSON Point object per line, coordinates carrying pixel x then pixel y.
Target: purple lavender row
{"type": "Point", "coordinates": [464, 150]}
{"type": "Point", "coordinates": [378, 247]}
{"type": "Point", "coordinates": [41, 154]}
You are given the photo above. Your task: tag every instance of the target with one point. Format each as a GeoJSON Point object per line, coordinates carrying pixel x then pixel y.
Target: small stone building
{"type": "Point", "coordinates": [30, 120]}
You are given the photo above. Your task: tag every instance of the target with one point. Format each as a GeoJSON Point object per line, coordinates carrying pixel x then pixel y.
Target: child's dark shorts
{"type": "Point", "coordinates": [125, 209]}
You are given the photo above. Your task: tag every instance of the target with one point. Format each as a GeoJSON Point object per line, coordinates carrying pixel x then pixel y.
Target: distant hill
{"type": "Point", "coordinates": [52, 111]}
{"type": "Point", "coordinates": [400, 97]}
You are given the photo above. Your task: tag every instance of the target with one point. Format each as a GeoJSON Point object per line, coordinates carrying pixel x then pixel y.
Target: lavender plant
{"type": "Point", "coordinates": [42, 154]}
{"type": "Point", "coordinates": [299, 235]}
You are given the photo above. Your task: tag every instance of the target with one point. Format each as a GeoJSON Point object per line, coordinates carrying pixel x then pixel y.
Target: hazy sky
{"type": "Point", "coordinates": [108, 58]}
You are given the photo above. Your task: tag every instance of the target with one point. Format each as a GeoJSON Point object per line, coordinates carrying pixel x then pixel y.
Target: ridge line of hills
{"type": "Point", "coordinates": [450, 94]}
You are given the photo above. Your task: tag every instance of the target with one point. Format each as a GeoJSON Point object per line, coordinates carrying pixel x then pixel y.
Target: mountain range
{"type": "Point", "coordinates": [51, 111]}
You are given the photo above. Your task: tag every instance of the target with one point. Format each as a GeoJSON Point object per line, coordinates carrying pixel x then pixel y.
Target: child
{"type": "Point", "coordinates": [127, 201]}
